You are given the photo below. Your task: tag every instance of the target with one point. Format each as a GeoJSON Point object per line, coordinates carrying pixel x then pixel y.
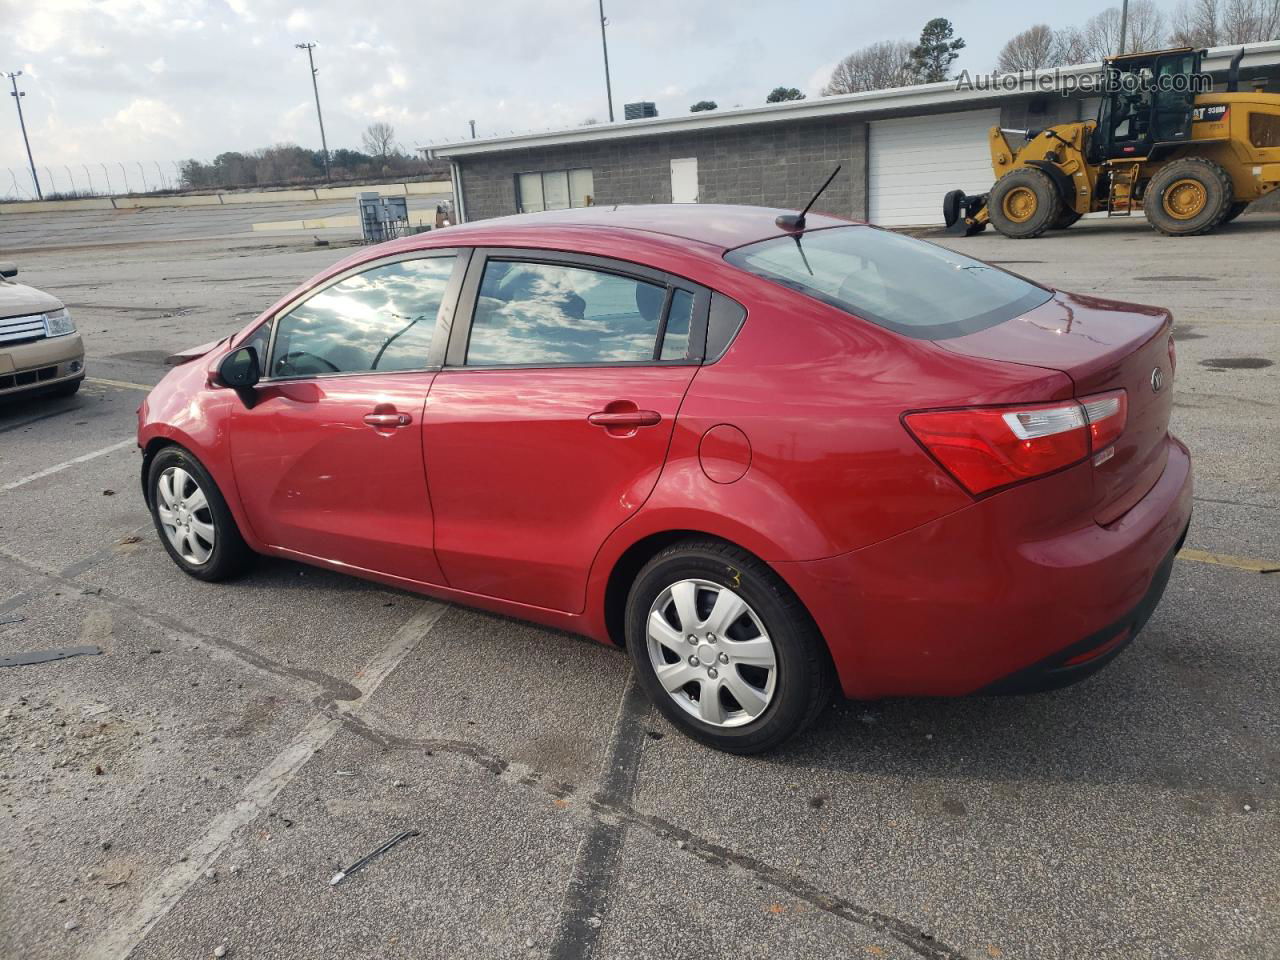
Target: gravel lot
{"type": "Point", "coordinates": [194, 788]}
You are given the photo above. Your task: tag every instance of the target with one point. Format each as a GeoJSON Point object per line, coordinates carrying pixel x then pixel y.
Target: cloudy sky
{"type": "Point", "coordinates": [163, 80]}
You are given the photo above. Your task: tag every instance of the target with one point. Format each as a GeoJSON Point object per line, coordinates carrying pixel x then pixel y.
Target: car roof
{"type": "Point", "coordinates": [719, 225]}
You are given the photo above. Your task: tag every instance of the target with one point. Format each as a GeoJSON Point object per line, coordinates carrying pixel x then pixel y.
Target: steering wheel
{"type": "Point", "coordinates": [289, 358]}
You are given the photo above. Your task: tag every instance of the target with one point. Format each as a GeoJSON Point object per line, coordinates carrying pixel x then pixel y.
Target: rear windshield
{"type": "Point", "coordinates": [914, 288]}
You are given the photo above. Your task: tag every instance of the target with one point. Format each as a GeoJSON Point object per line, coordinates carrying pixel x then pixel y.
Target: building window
{"type": "Point", "coordinates": [554, 190]}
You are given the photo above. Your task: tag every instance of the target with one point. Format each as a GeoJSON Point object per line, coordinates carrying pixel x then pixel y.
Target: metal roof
{"type": "Point", "coordinates": [921, 98]}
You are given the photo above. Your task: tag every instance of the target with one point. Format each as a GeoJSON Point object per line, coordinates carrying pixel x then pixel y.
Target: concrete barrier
{"type": "Point", "coordinates": [306, 195]}
{"type": "Point", "coordinates": [57, 206]}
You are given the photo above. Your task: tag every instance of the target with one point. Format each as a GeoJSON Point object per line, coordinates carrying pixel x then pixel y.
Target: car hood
{"type": "Point", "coordinates": [18, 300]}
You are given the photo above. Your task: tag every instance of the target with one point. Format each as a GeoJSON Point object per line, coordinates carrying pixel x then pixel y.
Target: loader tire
{"type": "Point", "coordinates": [1188, 197]}
{"type": "Point", "coordinates": [1065, 219]}
{"type": "Point", "coordinates": [952, 207]}
{"type": "Point", "coordinates": [1024, 204]}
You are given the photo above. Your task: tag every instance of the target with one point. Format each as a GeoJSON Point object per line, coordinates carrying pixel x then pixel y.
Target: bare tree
{"type": "Point", "coordinates": [1073, 47]}
{"type": "Point", "coordinates": [880, 66]}
{"type": "Point", "coordinates": [1248, 21]}
{"type": "Point", "coordinates": [1146, 31]}
{"type": "Point", "coordinates": [1195, 24]}
{"type": "Point", "coordinates": [379, 140]}
{"type": "Point", "coordinates": [1033, 49]}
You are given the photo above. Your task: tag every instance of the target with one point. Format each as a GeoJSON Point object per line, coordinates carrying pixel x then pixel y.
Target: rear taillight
{"type": "Point", "coordinates": [986, 448]}
{"type": "Point", "coordinates": [1106, 413]}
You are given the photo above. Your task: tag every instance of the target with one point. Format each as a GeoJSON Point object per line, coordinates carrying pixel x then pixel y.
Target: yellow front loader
{"type": "Point", "coordinates": [1189, 160]}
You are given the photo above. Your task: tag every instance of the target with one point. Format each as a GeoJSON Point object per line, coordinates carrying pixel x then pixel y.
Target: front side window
{"type": "Point", "coordinates": [914, 288]}
{"type": "Point", "coordinates": [378, 321]}
{"type": "Point", "coordinates": [543, 313]}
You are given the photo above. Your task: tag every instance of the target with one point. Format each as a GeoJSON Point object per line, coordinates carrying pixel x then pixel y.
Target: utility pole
{"type": "Point", "coordinates": [17, 99]}
{"type": "Point", "coordinates": [324, 146]}
{"type": "Point", "coordinates": [604, 43]}
{"type": "Point", "coordinates": [1124, 24]}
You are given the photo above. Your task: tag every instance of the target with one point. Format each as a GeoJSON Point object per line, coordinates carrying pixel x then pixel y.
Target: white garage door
{"type": "Point", "coordinates": [915, 160]}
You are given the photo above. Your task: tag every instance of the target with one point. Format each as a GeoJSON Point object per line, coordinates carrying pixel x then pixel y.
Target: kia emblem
{"type": "Point", "coordinates": [1157, 380]}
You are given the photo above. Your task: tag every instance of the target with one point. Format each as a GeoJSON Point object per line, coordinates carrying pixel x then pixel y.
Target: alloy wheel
{"type": "Point", "coordinates": [185, 516]}
{"type": "Point", "coordinates": [711, 653]}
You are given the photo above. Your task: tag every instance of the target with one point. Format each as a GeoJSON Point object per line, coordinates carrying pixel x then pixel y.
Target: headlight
{"type": "Point", "coordinates": [58, 323]}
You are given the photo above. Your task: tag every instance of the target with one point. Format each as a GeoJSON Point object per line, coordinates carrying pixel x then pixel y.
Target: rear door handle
{"type": "Point", "coordinates": [625, 418]}
{"type": "Point", "coordinates": [388, 419]}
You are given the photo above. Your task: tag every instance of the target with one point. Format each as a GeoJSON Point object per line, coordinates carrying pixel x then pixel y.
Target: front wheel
{"type": "Point", "coordinates": [1024, 204]}
{"type": "Point", "coordinates": [724, 649]}
{"type": "Point", "coordinates": [193, 520]}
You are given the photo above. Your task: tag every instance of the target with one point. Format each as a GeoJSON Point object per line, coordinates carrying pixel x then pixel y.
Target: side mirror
{"type": "Point", "coordinates": [239, 370]}
{"type": "Point", "coordinates": [8, 270]}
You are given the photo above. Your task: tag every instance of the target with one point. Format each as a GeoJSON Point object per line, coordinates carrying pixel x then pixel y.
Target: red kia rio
{"type": "Point", "coordinates": [765, 456]}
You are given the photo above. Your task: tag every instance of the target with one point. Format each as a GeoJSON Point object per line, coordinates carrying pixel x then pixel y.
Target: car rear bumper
{"type": "Point", "coordinates": [995, 597]}
{"type": "Point", "coordinates": [40, 363]}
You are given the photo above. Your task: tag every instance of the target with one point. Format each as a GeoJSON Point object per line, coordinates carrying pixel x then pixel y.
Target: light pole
{"type": "Point", "coordinates": [604, 44]}
{"type": "Point", "coordinates": [1124, 23]}
{"type": "Point", "coordinates": [17, 99]}
{"type": "Point", "coordinates": [324, 146]}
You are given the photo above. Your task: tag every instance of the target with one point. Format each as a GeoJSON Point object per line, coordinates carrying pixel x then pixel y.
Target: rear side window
{"type": "Point", "coordinates": [549, 314]}
{"type": "Point", "coordinates": [379, 321]}
{"type": "Point", "coordinates": [914, 288]}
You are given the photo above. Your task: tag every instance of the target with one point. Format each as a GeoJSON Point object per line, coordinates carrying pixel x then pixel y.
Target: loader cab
{"type": "Point", "coordinates": [1148, 102]}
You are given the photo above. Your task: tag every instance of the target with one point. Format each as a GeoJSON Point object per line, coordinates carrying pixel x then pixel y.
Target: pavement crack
{"type": "Point", "coordinates": [331, 687]}
{"type": "Point", "coordinates": [611, 809]}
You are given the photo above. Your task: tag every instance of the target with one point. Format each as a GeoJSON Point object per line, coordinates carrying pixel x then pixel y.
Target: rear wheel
{"type": "Point", "coordinates": [724, 649]}
{"type": "Point", "coordinates": [193, 520]}
{"type": "Point", "coordinates": [1024, 204]}
{"type": "Point", "coordinates": [1188, 197]}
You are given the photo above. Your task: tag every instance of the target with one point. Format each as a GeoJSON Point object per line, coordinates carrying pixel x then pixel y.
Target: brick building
{"type": "Point", "coordinates": [901, 150]}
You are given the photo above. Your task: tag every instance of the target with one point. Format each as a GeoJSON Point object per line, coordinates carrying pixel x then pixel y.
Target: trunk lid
{"type": "Point", "coordinates": [1101, 345]}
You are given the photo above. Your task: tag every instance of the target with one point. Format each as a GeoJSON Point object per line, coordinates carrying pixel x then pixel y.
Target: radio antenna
{"type": "Point", "coordinates": [795, 222]}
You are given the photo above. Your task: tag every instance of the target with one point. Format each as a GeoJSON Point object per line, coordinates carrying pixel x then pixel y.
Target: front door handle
{"type": "Point", "coordinates": [384, 420]}
{"type": "Point", "coordinates": [625, 418]}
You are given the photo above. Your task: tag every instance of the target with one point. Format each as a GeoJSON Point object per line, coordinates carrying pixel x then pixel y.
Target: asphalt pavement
{"type": "Point", "coordinates": [196, 785]}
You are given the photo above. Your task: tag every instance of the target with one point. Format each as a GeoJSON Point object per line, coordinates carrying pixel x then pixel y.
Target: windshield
{"type": "Point", "coordinates": [911, 287]}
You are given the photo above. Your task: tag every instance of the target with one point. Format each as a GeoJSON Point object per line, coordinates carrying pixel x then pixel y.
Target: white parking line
{"type": "Point", "coordinates": [122, 938]}
{"type": "Point", "coordinates": [48, 471]}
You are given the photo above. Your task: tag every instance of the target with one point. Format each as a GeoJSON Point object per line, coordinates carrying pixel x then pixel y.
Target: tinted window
{"type": "Point", "coordinates": [915, 288]}
{"type": "Point", "coordinates": [675, 342]}
{"type": "Point", "coordinates": [538, 313]}
{"type": "Point", "coordinates": [380, 320]}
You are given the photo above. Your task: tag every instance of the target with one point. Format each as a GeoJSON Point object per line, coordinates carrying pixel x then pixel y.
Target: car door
{"type": "Point", "coordinates": [549, 424]}
{"type": "Point", "coordinates": [328, 460]}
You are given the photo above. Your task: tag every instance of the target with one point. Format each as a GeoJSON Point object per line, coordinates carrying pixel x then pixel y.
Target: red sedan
{"type": "Point", "coordinates": [765, 457]}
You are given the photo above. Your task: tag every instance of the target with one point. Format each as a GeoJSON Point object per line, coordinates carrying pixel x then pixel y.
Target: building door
{"type": "Point", "coordinates": [915, 161]}
{"type": "Point", "coordinates": [684, 180]}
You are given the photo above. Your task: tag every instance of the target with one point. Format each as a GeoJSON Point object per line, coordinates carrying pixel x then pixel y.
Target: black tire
{"type": "Point", "coordinates": [1017, 185]}
{"type": "Point", "coordinates": [230, 555]}
{"type": "Point", "coordinates": [1065, 219]}
{"type": "Point", "coordinates": [804, 677]}
{"type": "Point", "coordinates": [1235, 211]}
{"type": "Point", "coordinates": [952, 206]}
{"type": "Point", "coordinates": [1157, 202]}
{"type": "Point", "coordinates": [67, 389]}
